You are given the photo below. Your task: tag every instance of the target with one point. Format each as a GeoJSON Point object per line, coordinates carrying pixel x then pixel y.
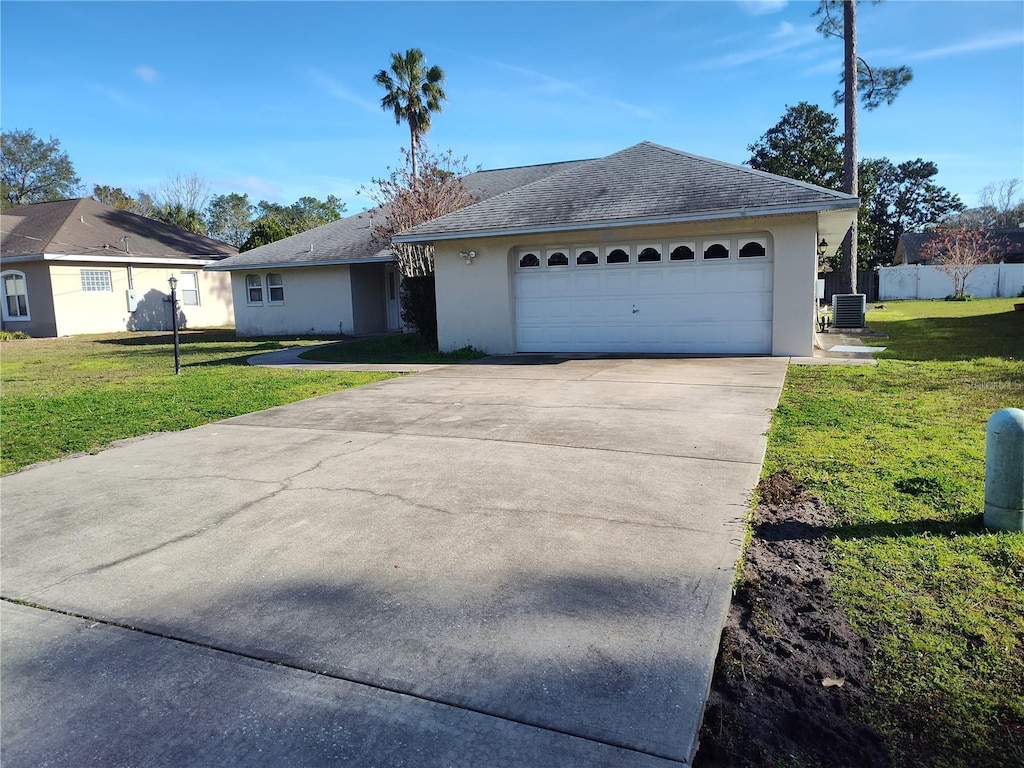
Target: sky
{"type": "Point", "coordinates": [277, 99]}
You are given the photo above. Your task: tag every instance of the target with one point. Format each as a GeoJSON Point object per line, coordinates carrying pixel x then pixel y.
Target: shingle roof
{"type": "Point", "coordinates": [350, 240]}
{"type": "Point", "coordinates": [644, 183]}
{"type": "Point", "coordinates": [85, 227]}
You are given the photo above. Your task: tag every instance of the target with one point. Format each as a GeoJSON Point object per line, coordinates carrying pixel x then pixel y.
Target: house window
{"type": "Point", "coordinates": [649, 254]}
{"type": "Point", "coordinates": [189, 284]}
{"type": "Point", "coordinates": [15, 296]}
{"type": "Point", "coordinates": [585, 258]}
{"type": "Point", "coordinates": [253, 289]}
{"type": "Point", "coordinates": [716, 251]}
{"type": "Point", "coordinates": [558, 259]}
{"type": "Point", "coordinates": [683, 252]}
{"type": "Point", "coordinates": [754, 249]}
{"type": "Point", "coordinates": [617, 256]}
{"type": "Point", "coordinates": [275, 288]}
{"type": "Point", "coordinates": [96, 280]}
{"type": "Point", "coordinates": [529, 260]}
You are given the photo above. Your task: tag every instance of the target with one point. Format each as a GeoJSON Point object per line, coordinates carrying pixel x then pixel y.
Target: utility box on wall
{"type": "Point", "coordinates": [133, 303]}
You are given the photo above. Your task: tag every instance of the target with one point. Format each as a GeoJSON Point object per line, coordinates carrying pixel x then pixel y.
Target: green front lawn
{"type": "Point", "coordinates": [79, 393]}
{"type": "Point", "coordinates": [393, 348]}
{"type": "Point", "coordinates": [899, 452]}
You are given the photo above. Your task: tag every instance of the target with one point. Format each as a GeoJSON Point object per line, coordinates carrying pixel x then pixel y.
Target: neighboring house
{"type": "Point", "coordinates": [337, 278]}
{"type": "Point", "coordinates": [1009, 242]}
{"type": "Point", "coordinates": [646, 250]}
{"type": "Point", "coordinates": [79, 266]}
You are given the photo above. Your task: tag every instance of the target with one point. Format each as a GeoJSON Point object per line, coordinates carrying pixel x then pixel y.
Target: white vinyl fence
{"type": "Point", "coordinates": [921, 281]}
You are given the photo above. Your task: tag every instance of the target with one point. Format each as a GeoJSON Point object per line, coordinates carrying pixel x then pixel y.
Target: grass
{"type": "Point", "coordinates": [77, 394]}
{"type": "Point", "coordinates": [899, 452]}
{"type": "Point", "coordinates": [396, 348]}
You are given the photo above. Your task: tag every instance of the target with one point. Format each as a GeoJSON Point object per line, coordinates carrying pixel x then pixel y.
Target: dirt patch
{"type": "Point", "coordinates": [791, 674]}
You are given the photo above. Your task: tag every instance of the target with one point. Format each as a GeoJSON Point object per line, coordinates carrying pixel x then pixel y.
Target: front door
{"type": "Point", "coordinates": [391, 300]}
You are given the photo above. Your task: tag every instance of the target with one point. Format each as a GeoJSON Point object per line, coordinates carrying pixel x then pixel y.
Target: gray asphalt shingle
{"type": "Point", "coordinates": [644, 182]}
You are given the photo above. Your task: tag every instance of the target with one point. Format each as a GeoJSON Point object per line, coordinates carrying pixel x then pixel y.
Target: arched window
{"type": "Point", "coordinates": [558, 259]}
{"type": "Point", "coordinates": [15, 295]}
{"type": "Point", "coordinates": [649, 254]}
{"type": "Point", "coordinates": [682, 253]}
{"type": "Point", "coordinates": [529, 260]}
{"type": "Point", "coordinates": [752, 250]}
{"type": "Point", "coordinates": [617, 256]}
{"type": "Point", "coordinates": [716, 251]}
{"type": "Point", "coordinates": [586, 257]}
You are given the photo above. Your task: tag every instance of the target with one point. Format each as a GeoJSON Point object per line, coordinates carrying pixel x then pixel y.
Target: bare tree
{"type": "Point", "coordinates": [191, 192]}
{"type": "Point", "coordinates": [403, 201]}
{"type": "Point", "coordinates": [1003, 203]}
{"type": "Point", "coordinates": [958, 252]}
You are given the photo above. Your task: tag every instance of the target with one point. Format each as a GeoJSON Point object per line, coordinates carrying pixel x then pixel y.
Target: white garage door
{"type": "Point", "coordinates": [702, 296]}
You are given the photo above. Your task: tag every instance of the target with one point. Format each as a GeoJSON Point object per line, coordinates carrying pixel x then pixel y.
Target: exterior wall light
{"type": "Point", "coordinates": [468, 256]}
{"type": "Point", "coordinates": [822, 247]}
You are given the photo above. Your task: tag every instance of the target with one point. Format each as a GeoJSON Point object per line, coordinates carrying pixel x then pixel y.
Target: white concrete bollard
{"type": "Point", "coordinates": [1004, 470]}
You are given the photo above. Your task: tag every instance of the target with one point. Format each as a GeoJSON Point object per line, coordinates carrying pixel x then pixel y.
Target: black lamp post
{"type": "Point", "coordinates": [174, 323]}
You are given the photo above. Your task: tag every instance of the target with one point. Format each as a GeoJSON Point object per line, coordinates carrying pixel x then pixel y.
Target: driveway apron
{"type": "Point", "coordinates": [523, 561]}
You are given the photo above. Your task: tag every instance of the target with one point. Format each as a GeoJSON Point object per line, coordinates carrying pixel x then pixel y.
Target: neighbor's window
{"type": "Point", "coordinates": [275, 288]}
{"type": "Point", "coordinates": [254, 289]}
{"type": "Point", "coordinates": [96, 280]}
{"type": "Point", "coordinates": [189, 284]}
{"type": "Point", "coordinates": [15, 291]}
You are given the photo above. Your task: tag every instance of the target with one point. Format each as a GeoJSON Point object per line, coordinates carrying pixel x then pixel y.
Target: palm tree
{"type": "Point", "coordinates": [413, 93]}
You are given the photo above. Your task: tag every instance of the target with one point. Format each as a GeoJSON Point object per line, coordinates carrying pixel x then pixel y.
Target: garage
{"type": "Point", "coordinates": [699, 296]}
{"type": "Point", "coordinates": [649, 250]}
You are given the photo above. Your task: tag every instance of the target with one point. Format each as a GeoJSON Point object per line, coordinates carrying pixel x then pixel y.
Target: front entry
{"type": "Point", "coordinates": [391, 299]}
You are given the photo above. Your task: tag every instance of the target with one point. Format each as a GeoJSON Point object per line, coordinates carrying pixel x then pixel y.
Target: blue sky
{"type": "Point", "coordinates": [277, 99]}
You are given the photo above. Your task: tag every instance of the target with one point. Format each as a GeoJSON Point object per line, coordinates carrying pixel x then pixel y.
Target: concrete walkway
{"type": "Point", "coordinates": [508, 563]}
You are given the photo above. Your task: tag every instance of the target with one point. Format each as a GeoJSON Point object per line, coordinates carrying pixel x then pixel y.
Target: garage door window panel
{"type": "Point", "coordinates": [648, 254]}
{"type": "Point", "coordinates": [557, 259]}
{"type": "Point", "coordinates": [617, 255]}
{"type": "Point", "coordinates": [682, 251]}
{"type": "Point", "coordinates": [586, 257]}
{"type": "Point", "coordinates": [716, 250]}
{"type": "Point", "coordinates": [754, 249]}
{"type": "Point", "coordinates": [529, 261]}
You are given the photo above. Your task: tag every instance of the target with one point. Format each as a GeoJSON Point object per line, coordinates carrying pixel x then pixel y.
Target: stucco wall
{"type": "Point", "coordinates": [316, 301]}
{"type": "Point", "coordinates": [920, 281]}
{"type": "Point", "coordinates": [40, 322]}
{"type": "Point", "coordinates": [476, 305]}
{"type": "Point", "coordinates": [77, 311]}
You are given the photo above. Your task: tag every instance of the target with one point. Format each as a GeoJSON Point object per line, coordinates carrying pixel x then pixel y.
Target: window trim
{"type": "Point", "coordinates": [270, 289]}
{"type": "Point", "coordinates": [16, 273]}
{"type": "Point", "coordinates": [195, 282]}
{"type": "Point", "coordinates": [249, 288]}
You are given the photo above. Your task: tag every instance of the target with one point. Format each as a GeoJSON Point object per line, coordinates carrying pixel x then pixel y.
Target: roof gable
{"type": "Point", "coordinates": [646, 182]}
{"type": "Point", "coordinates": [85, 227]}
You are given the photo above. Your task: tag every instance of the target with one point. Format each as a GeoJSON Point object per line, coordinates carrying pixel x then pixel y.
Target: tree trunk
{"type": "Point", "coordinates": [848, 281]}
{"type": "Point", "coordinates": [412, 147]}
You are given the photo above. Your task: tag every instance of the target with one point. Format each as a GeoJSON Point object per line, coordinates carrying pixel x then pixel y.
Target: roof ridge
{"type": "Point", "coordinates": [744, 168]}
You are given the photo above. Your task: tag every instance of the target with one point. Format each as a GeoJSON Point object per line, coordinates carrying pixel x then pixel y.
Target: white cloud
{"type": "Point", "coordinates": [785, 29]}
{"type": "Point", "coordinates": [986, 43]}
{"type": "Point", "coordinates": [115, 96]}
{"type": "Point", "coordinates": [341, 92]}
{"type": "Point", "coordinates": [790, 39]}
{"type": "Point", "coordinates": [147, 74]}
{"type": "Point", "coordinates": [762, 7]}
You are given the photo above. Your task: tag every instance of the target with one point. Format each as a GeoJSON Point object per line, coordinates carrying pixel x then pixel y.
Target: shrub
{"type": "Point", "coordinates": [419, 305]}
{"type": "Point", "coordinates": [12, 335]}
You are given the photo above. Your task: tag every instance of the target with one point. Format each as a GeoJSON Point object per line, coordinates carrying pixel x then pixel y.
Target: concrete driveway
{"type": "Point", "coordinates": [520, 562]}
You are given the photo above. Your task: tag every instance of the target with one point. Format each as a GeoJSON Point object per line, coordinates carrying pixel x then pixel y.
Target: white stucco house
{"type": "Point", "coordinates": [648, 250]}
{"type": "Point", "coordinates": [79, 266]}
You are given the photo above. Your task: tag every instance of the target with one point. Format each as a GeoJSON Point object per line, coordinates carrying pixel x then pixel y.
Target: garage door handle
{"type": "Point", "coordinates": [635, 310]}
